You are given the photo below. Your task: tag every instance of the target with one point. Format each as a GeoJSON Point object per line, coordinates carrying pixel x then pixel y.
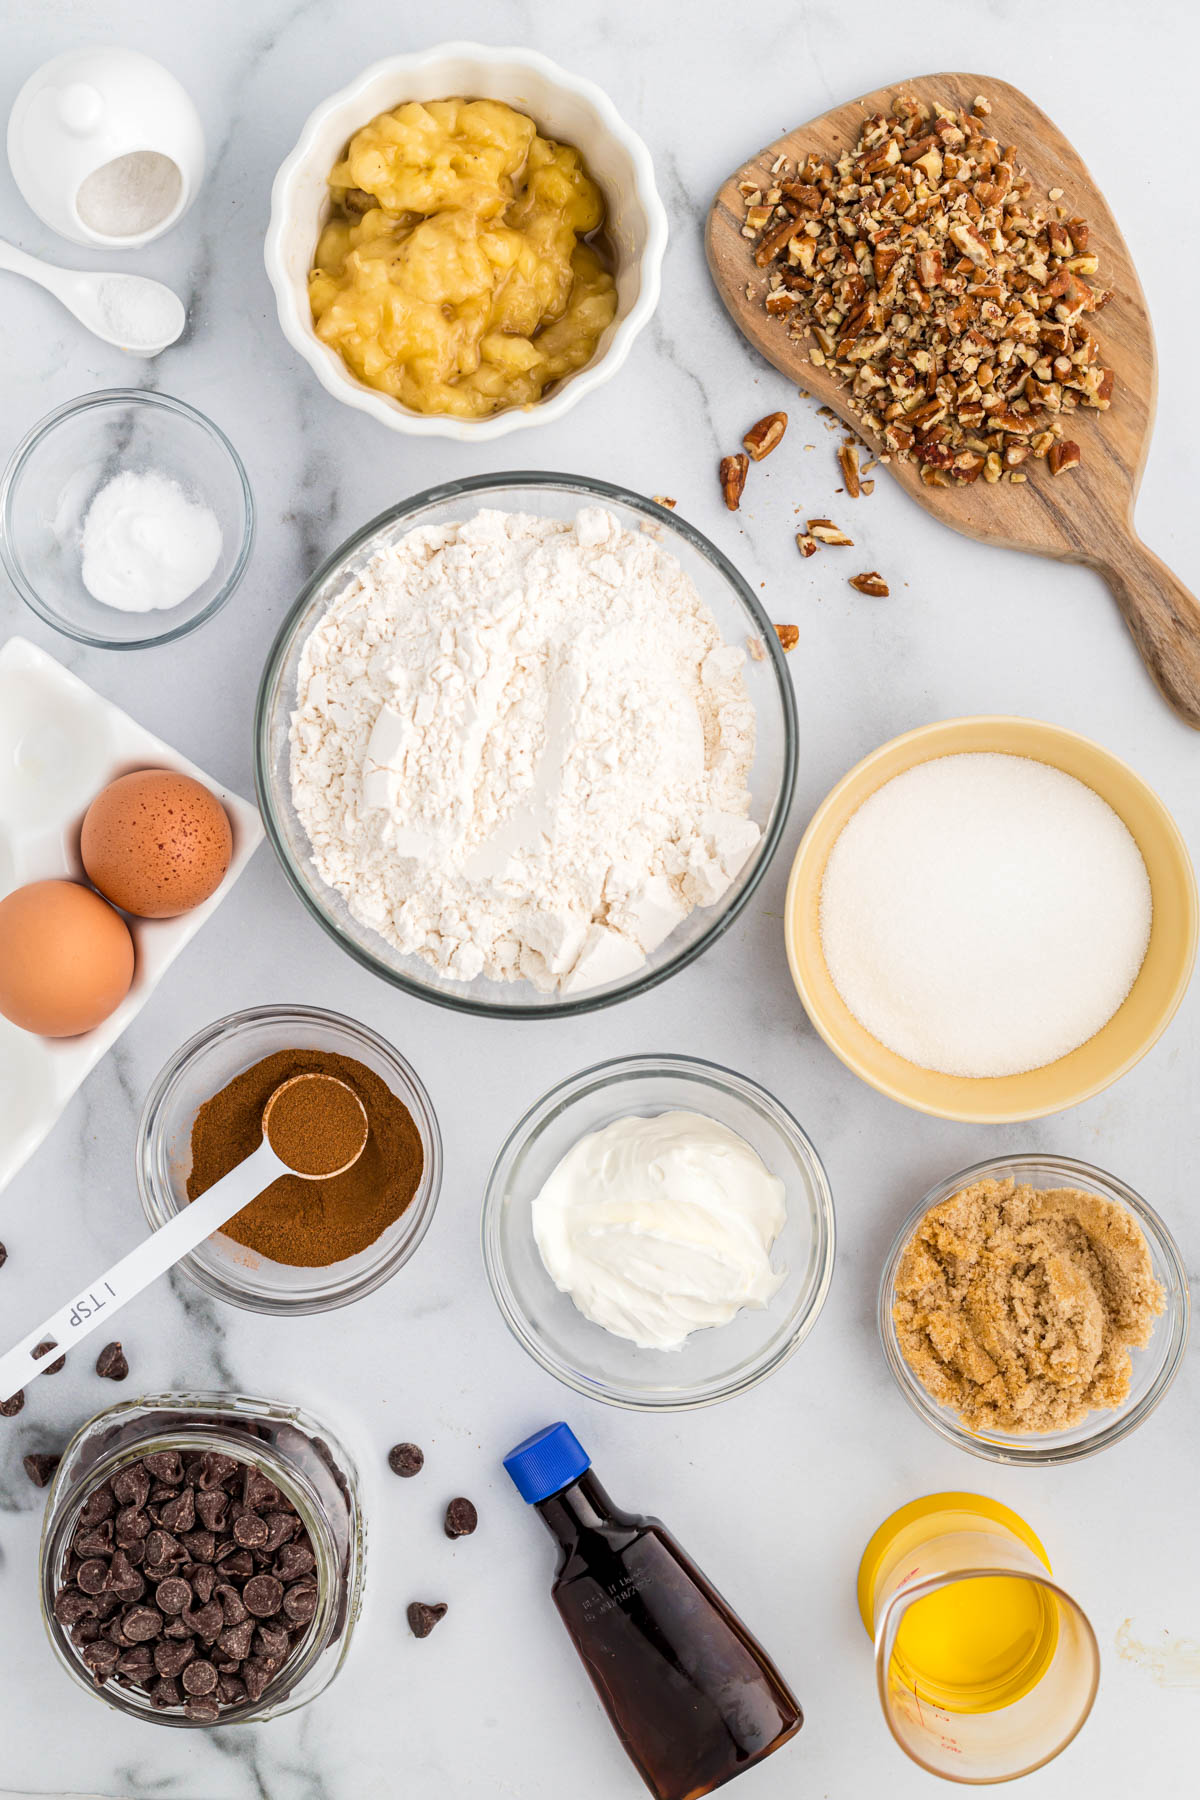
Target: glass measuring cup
{"type": "Point", "coordinates": [986, 1668]}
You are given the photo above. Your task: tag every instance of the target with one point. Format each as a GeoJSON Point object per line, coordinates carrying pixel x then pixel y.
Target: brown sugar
{"type": "Point", "coordinates": [1018, 1306]}
{"type": "Point", "coordinates": [310, 1224]}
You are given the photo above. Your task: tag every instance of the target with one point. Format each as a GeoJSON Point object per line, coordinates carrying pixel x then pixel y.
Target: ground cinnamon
{"type": "Point", "coordinates": [310, 1224]}
{"type": "Point", "coordinates": [316, 1125]}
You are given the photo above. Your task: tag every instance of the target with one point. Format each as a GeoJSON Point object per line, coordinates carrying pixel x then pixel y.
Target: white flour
{"type": "Point", "coordinates": [521, 749]}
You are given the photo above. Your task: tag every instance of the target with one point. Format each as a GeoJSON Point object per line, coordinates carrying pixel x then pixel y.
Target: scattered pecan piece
{"type": "Point", "coordinates": [733, 472]}
{"type": "Point", "coordinates": [766, 436]}
{"type": "Point", "coordinates": [871, 582]}
{"type": "Point", "coordinates": [789, 636]}
{"type": "Point", "coordinates": [806, 543]}
{"type": "Point", "coordinates": [848, 460]}
{"type": "Point", "coordinates": [826, 532]}
{"type": "Point", "coordinates": [663, 500]}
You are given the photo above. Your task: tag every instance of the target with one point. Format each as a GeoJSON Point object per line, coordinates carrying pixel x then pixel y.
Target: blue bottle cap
{"type": "Point", "coordinates": [546, 1462]}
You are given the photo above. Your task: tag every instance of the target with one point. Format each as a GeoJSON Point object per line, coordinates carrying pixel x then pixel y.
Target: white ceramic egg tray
{"type": "Point", "coordinates": [60, 743]}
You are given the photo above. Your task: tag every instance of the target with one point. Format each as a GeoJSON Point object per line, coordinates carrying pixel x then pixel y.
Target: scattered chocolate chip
{"type": "Point", "coordinates": [111, 1363]}
{"type": "Point", "coordinates": [3, 1256]}
{"type": "Point", "coordinates": [461, 1518]}
{"type": "Point", "coordinates": [422, 1617]}
{"type": "Point", "coordinates": [40, 1468]}
{"type": "Point", "coordinates": [44, 1349]}
{"type": "Point", "coordinates": [11, 1407]}
{"type": "Point", "coordinates": [406, 1459]}
{"type": "Point", "coordinates": [262, 1596]}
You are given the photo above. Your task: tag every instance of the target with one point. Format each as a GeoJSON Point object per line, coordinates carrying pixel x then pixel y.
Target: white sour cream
{"type": "Point", "coordinates": [659, 1227]}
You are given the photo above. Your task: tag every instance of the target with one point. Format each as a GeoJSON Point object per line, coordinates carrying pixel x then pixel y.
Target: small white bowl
{"type": "Point", "coordinates": [567, 108]}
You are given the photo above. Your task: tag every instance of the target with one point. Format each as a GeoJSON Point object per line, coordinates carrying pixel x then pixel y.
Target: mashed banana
{"type": "Point", "coordinates": [452, 273]}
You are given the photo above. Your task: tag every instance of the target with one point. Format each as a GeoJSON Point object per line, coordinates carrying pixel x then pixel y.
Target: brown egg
{"type": "Point", "coordinates": [156, 843]}
{"type": "Point", "coordinates": [66, 958]}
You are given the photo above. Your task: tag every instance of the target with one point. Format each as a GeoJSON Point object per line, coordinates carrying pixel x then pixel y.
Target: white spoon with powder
{"type": "Point", "coordinates": [130, 311]}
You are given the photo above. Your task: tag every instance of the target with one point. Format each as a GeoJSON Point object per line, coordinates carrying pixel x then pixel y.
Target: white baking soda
{"type": "Point", "coordinates": [983, 915]}
{"type": "Point", "coordinates": [145, 545]}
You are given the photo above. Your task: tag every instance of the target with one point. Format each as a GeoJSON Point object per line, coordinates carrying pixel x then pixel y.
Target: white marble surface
{"type": "Point", "coordinates": [777, 1492]}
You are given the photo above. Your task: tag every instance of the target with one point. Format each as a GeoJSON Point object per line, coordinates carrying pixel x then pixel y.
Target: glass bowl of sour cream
{"type": "Point", "coordinates": [658, 1188]}
{"type": "Point", "coordinates": [126, 519]}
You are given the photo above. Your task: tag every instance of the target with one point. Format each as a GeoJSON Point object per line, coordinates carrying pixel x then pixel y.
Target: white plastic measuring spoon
{"type": "Point", "coordinates": [130, 311]}
{"type": "Point", "coordinates": [126, 1279]}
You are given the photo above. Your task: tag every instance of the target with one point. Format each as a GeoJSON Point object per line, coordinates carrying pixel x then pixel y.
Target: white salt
{"type": "Point", "coordinates": [145, 544]}
{"type": "Point", "coordinates": [982, 915]}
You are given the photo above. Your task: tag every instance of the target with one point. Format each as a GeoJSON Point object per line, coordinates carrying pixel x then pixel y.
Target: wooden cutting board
{"type": "Point", "coordinates": [1084, 516]}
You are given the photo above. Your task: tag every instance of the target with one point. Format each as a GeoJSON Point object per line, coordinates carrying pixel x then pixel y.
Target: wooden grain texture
{"type": "Point", "coordinates": [1085, 516]}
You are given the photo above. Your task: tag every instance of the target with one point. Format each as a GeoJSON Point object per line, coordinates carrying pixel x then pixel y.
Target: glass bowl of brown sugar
{"type": "Point", "coordinates": [303, 1246]}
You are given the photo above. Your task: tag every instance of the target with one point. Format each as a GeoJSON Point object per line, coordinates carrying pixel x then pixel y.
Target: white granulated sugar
{"type": "Point", "coordinates": [520, 748]}
{"type": "Point", "coordinates": [982, 915]}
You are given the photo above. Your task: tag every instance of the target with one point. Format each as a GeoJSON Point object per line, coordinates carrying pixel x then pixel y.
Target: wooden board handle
{"type": "Point", "coordinates": [1164, 618]}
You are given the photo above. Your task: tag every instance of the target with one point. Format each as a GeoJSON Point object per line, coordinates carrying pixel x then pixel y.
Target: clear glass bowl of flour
{"type": "Point", "coordinates": [741, 621]}
{"type": "Point", "coordinates": [712, 1364]}
{"type": "Point", "coordinates": [67, 462]}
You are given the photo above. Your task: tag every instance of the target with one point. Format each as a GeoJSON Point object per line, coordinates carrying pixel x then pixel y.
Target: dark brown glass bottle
{"type": "Point", "coordinates": [693, 1696]}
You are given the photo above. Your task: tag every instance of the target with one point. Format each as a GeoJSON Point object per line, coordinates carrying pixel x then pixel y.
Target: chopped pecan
{"type": "Point", "coordinates": [1062, 456]}
{"type": "Point", "coordinates": [663, 500]}
{"type": "Point", "coordinates": [733, 472]}
{"type": "Point", "coordinates": [848, 461]}
{"type": "Point", "coordinates": [764, 437]}
{"type": "Point", "coordinates": [826, 532]}
{"type": "Point", "coordinates": [806, 545]}
{"type": "Point", "coordinates": [871, 582]}
{"type": "Point", "coordinates": [789, 636]}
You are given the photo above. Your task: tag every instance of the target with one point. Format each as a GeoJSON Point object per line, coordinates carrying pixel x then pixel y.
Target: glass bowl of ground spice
{"type": "Point", "coordinates": [1033, 1309]}
{"type": "Point", "coordinates": [302, 1246]}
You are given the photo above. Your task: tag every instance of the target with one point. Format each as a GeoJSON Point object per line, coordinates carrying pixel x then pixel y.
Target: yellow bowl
{"type": "Point", "coordinates": [1133, 1028]}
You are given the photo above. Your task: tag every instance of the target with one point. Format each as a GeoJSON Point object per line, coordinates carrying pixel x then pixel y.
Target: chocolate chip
{"type": "Point", "coordinates": [132, 1525]}
{"type": "Point", "coordinates": [234, 1642]}
{"type": "Point", "coordinates": [256, 1676]}
{"type": "Point", "coordinates": [3, 1256]}
{"type": "Point", "coordinates": [178, 1629]}
{"type": "Point", "coordinates": [204, 1708]}
{"type": "Point", "coordinates": [131, 1486]}
{"type": "Point", "coordinates": [201, 1546]}
{"type": "Point", "coordinates": [138, 1663]}
{"type": "Point", "coordinates": [293, 1561]}
{"type": "Point", "coordinates": [461, 1518]}
{"type": "Point", "coordinates": [258, 1493]}
{"type": "Point", "coordinates": [171, 1658]}
{"type": "Point", "coordinates": [11, 1407]}
{"type": "Point", "coordinates": [231, 1604]}
{"type": "Point", "coordinates": [70, 1606]}
{"type": "Point", "coordinates": [237, 1562]}
{"type": "Point", "coordinates": [230, 1690]}
{"type": "Point", "coordinates": [40, 1468]}
{"type": "Point", "coordinates": [165, 1466]}
{"type": "Point", "coordinates": [142, 1623]}
{"type": "Point", "coordinates": [111, 1363]}
{"type": "Point", "coordinates": [262, 1596]}
{"type": "Point", "coordinates": [44, 1349]}
{"type": "Point", "coordinates": [281, 1528]}
{"type": "Point", "coordinates": [173, 1595]}
{"type": "Point", "coordinates": [124, 1580]}
{"type": "Point", "coordinates": [216, 1469]}
{"type": "Point", "coordinates": [98, 1505]}
{"type": "Point", "coordinates": [300, 1602]}
{"type": "Point", "coordinates": [161, 1548]}
{"type": "Point", "coordinates": [422, 1617]}
{"type": "Point", "coordinates": [406, 1459]}
{"type": "Point", "coordinates": [86, 1632]}
{"type": "Point", "coordinates": [272, 1643]}
{"type": "Point", "coordinates": [200, 1678]}
{"type": "Point", "coordinates": [178, 1514]}
{"type": "Point", "coordinates": [94, 1540]}
{"type": "Point", "coordinates": [92, 1577]}
{"type": "Point", "coordinates": [165, 1692]}
{"type": "Point", "coordinates": [250, 1531]}
{"type": "Point", "coordinates": [212, 1506]}
{"type": "Point", "coordinates": [203, 1578]}
{"type": "Point", "coordinates": [101, 1658]}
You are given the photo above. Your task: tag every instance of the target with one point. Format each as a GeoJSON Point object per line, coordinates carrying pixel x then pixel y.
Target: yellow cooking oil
{"type": "Point", "coordinates": [973, 1643]}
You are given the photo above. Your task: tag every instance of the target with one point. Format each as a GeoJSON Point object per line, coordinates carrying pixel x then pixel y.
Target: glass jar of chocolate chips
{"type": "Point", "coordinates": [202, 1558]}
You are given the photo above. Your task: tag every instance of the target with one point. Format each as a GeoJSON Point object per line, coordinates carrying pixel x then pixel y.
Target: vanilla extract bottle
{"type": "Point", "coordinates": [693, 1696]}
